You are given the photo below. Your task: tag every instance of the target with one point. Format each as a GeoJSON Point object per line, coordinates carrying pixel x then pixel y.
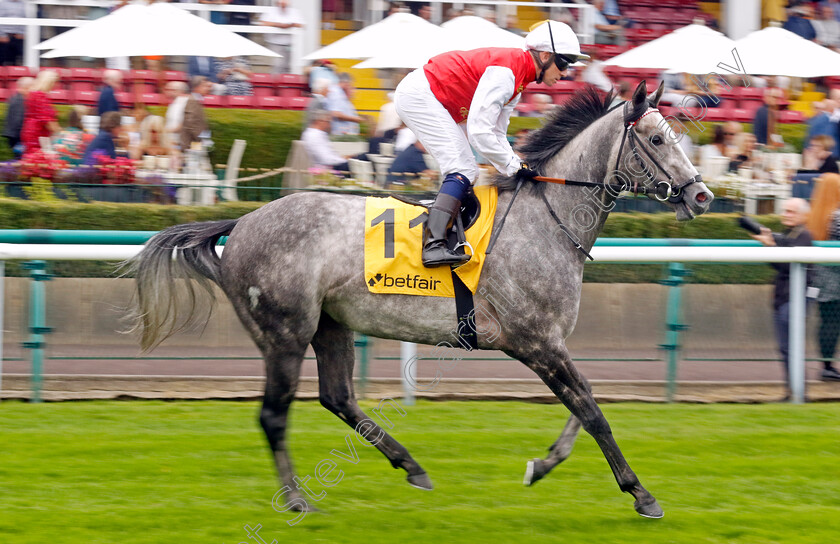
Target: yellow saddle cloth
{"type": "Point", "coordinates": [394, 242]}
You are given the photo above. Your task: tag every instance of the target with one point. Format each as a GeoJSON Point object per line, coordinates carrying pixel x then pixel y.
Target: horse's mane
{"type": "Point", "coordinates": [561, 126]}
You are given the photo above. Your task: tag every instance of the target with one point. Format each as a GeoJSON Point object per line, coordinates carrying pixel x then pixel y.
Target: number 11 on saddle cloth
{"type": "Point", "coordinates": [394, 240]}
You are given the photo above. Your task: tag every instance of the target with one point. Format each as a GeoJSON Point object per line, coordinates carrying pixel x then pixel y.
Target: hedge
{"type": "Point", "coordinates": [22, 214]}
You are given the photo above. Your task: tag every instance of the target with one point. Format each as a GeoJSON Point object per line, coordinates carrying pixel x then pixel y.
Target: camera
{"type": "Point", "coordinates": [749, 224]}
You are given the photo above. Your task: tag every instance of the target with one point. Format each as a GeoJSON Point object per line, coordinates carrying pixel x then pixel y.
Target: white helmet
{"type": "Point", "coordinates": [555, 37]}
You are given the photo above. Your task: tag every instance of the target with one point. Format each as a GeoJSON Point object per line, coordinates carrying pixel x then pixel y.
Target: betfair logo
{"type": "Point", "coordinates": [408, 281]}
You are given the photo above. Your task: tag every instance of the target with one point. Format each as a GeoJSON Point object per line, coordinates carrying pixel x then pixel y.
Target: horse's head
{"type": "Point", "coordinates": [651, 156]}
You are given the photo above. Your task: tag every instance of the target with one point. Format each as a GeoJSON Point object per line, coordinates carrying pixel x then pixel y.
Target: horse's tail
{"type": "Point", "coordinates": [186, 252]}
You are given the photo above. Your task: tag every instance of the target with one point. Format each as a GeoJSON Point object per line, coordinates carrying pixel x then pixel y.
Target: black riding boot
{"type": "Point", "coordinates": [441, 215]}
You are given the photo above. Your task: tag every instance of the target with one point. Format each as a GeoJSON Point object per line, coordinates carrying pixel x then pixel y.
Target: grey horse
{"type": "Point", "coordinates": [294, 272]}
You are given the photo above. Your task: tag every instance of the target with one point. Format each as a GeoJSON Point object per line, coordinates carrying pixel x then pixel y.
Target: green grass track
{"type": "Point", "coordinates": [198, 472]}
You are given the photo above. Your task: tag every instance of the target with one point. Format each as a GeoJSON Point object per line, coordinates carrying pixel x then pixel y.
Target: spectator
{"type": "Point", "coordinates": [745, 145]}
{"type": "Point", "coordinates": [542, 105]}
{"type": "Point", "coordinates": [104, 144]}
{"type": "Point", "coordinates": [625, 91]}
{"type": "Point", "coordinates": [317, 143]}
{"type": "Point", "coordinates": [835, 7]}
{"type": "Point", "coordinates": [72, 141]}
{"type": "Point", "coordinates": [606, 32]}
{"type": "Point", "coordinates": [322, 69]}
{"type": "Point", "coordinates": [240, 18]}
{"type": "Point", "coordinates": [11, 36]}
{"type": "Point", "coordinates": [206, 67]}
{"type": "Point", "coordinates": [721, 145]}
{"type": "Point", "coordinates": [318, 100]}
{"type": "Point", "coordinates": [345, 118]}
{"type": "Point", "coordinates": [512, 25]}
{"type": "Point", "coordinates": [824, 224]}
{"type": "Point", "coordinates": [794, 217]}
{"type": "Point", "coordinates": [15, 113]}
{"type": "Point", "coordinates": [152, 138]}
{"type": "Point", "coordinates": [235, 74]}
{"type": "Point", "coordinates": [519, 140]}
{"type": "Point", "coordinates": [764, 122]}
{"type": "Point", "coordinates": [818, 157]}
{"type": "Point", "coordinates": [194, 127]}
{"type": "Point", "coordinates": [612, 13]}
{"type": "Point", "coordinates": [282, 16]}
{"type": "Point", "coordinates": [40, 118]}
{"type": "Point", "coordinates": [216, 17]}
{"type": "Point", "coordinates": [409, 165]}
{"type": "Point", "coordinates": [798, 22]}
{"type": "Point", "coordinates": [178, 94]}
{"type": "Point", "coordinates": [827, 28]}
{"type": "Point", "coordinates": [388, 117]}
{"type": "Point", "coordinates": [112, 80]}
{"type": "Point", "coordinates": [424, 11]}
{"type": "Point", "coordinates": [821, 122]}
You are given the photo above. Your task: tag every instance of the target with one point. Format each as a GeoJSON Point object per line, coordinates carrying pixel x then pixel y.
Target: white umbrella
{"type": "Point", "coordinates": [775, 51]}
{"type": "Point", "coordinates": [695, 49]}
{"type": "Point", "coordinates": [399, 28]}
{"type": "Point", "coordinates": [460, 34]}
{"type": "Point", "coordinates": [157, 29]}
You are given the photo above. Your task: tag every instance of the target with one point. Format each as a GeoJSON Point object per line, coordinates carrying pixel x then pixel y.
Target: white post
{"type": "Point", "coordinates": [796, 333]}
{"type": "Point", "coordinates": [31, 38]}
{"type": "Point", "coordinates": [741, 17]}
{"type": "Point", "coordinates": [408, 352]}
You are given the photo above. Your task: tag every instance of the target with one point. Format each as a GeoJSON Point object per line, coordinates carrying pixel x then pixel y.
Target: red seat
{"type": "Point", "coordinates": [175, 75]}
{"type": "Point", "coordinates": [750, 93]}
{"type": "Point", "coordinates": [291, 80]}
{"type": "Point", "coordinates": [59, 96]}
{"type": "Point", "coordinates": [565, 87]}
{"type": "Point", "coordinates": [152, 99]}
{"type": "Point", "coordinates": [144, 81]}
{"type": "Point", "coordinates": [88, 98]}
{"type": "Point", "coordinates": [126, 100]}
{"type": "Point", "coordinates": [13, 73]}
{"type": "Point", "coordinates": [269, 102]}
{"type": "Point", "coordinates": [263, 84]}
{"type": "Point", "coordinates": [791, 116]}
{"type": "Point", "coordinates": [214, 101]}
{"type": "Point", "coordinates": [609, 51]}
{"type": "Point", "coordinates": [742, 115]}
{"type": "Point", "coordinates": [234, 101]}
{"type": "Point", "coordinates": [718, 114]}
{"type": "Point", "coordinates": [750, 105]}
{"type": "Point", "coordinates": [5, 93]}
{"type": "Point", "coordinates": [295, 102]}
{"type": "Point", "coordinates": [288, 92]}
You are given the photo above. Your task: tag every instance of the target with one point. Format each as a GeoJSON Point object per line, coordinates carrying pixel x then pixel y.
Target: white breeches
{"type": "Point", "coordinates": [443, 138]}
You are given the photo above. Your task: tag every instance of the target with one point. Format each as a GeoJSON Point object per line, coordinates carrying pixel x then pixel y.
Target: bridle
{"type": "Point", "coordinates": [671, 192]}
{"type": "Point", "coordinates": [661, 190]}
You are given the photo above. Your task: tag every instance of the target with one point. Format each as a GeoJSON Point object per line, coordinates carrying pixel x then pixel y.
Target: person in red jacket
{"type": "Point", "coordinates": [465, 98]}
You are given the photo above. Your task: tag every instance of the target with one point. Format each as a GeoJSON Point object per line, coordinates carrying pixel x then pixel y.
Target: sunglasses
{"type": "Point", "coordinates": [562, 62]}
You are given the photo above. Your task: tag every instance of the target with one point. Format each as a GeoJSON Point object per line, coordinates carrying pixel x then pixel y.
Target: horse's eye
{"type": "Point", "coordinates": [656, 139]}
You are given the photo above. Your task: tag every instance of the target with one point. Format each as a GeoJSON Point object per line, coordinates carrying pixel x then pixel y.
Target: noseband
{"type": "Point", "coordinates": [662, 190]}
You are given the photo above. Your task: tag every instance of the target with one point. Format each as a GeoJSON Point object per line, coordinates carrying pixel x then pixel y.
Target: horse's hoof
{"type": "Point", "coordinates": [296, 507]}
{"type": "Point", "coordinates": [649, 509]}
{"type": "Point", "coordinates": [420, 481]}
{"type": "Point", "coordinates": [534, 472]}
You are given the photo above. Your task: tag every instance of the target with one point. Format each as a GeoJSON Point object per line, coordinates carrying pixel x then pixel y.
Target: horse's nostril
{"type": "Point", "coordinates": [701, 197]}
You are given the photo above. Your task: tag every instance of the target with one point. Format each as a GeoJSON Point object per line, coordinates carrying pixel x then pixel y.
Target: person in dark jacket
{"type": "Point", "coordinates": [408, 165]}
{"type": "Point", "coordinates": [794, 217]}
{"type": "Point", "coordinates": [798, 22]}
{"type": "Point", "coordinates": [112, 80]}
{"type": "Point", "coordinates": [15, 114]}
{"type": "Point", "coordinates": [105, 142]}
{"type": "Point", "coordinates": [818, 157]}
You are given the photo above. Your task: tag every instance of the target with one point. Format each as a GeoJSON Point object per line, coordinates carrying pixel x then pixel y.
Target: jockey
{"type": "Point", "coordinates": [465, 98]}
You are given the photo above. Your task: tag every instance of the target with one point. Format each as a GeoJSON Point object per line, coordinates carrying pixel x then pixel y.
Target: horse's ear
{"type": "Point", "coordinates": [640, 95]}
{"type": "Point", "coordinates": [657, 96]}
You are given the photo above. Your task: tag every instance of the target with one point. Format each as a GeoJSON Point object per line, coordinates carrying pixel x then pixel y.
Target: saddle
{"type": "Point", "coordinates": [456, 240]}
